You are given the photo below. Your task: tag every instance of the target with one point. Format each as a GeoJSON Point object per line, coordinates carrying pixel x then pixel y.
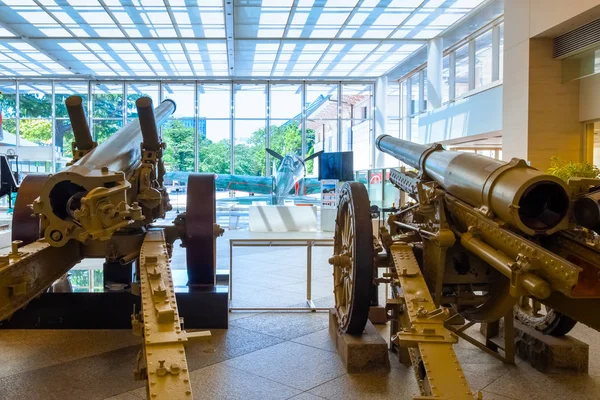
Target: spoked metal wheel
{"type": "Point", "coordinates": [532, 313]}
{"type": "Point", "coordinates": [353, 259]}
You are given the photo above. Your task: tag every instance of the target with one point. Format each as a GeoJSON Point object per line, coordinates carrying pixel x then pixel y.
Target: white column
{"type": "Point", "coordinates": [379, 123]}
{"type": "Point", "coordinates": [434, 73]}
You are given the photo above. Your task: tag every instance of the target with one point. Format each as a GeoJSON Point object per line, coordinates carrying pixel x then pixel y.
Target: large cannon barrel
{"type": "Point", "coordinates": [81, 130]}
{"type": "Point", "coordinates": [122, 151]}
{"type": "Point", "coordinates": [522, 196]}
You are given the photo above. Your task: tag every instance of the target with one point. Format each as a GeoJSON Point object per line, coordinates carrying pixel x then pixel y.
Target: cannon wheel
{"type": "Point", "coordinates": [532, 313]}
{"type": "Point", "coordinates": [199, 229]}
{"type": "Point", "coordinates": [353, 259]}
{"type": "Point", "coordinates": [26, 226]}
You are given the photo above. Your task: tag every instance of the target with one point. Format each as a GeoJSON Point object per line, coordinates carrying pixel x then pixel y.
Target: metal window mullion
{"type": "Point", "coordinates": [372, 124]}
{"type": "Point", "coordinates": [89, 108]}
{"type": "Point", "coordinates": [421, 101]}
{"type": "Point", "coordinates": [495, 53]}
{"type": "Point", "coordinates": [268, 127]}
{"type": "Point", "coordinates": [124, 105]}
{"type": "Point", "coordinates": [452, 76]}
{"type": "Point", "coordinates": [407, 116]}
{"type": "Point", "coordinates": [471, 64]}
{"type": "Point", "coordinates": [196, 126]}
{"type": "Point", "coordinates": [400, 103]}
{"type": "Point", "coordinates": [339, 117]}
{"type": "Point", "coordinates": [231, 128]}
{"type": "Point", "coordinates": [303, 113]}
{"type": "Point", "coordinates": [53, 129]}
{"type": "Point", "coordinates": [160, 99]}
{"type": "Point", "coordinates": [18, 114]}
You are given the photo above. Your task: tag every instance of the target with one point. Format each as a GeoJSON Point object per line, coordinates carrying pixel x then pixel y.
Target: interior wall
{"type": "Point", "coordinates": [553, 125]}
{"type": "Point", "coordinates": [541, 115]}
{"type": "Point", "coordinates": [477, 114]}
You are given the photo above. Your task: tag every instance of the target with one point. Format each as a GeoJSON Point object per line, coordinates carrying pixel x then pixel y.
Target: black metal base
{"type": "Point", "coordinates": [201, 308]}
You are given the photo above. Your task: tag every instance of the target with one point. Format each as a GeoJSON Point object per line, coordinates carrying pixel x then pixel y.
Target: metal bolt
{"type": "Point", "coordinates": [15, 247]}
{"type": "Point", "coordinates": [56, 236]}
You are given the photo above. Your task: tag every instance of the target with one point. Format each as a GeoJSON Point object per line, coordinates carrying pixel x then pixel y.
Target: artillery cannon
{"type": "Point", "coordinates": [481, 240]}
{"type": "Point", "coordinates": [103, 205]}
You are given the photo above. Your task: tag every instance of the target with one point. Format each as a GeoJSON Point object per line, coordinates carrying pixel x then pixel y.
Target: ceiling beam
{"type": "Point", "coordinates": [32, 42]}
{"type": "Point", "coordinates": [230, 35]}
{"type": "Point", "coordinates": [124, 32]}
{"type": "Point", "coordinates": [220, 39]}
{"type": "Point", "coordinates": [189, 79]}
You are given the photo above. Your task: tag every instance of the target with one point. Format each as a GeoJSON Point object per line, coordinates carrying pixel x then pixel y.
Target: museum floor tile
{"type": "Point", "coordinates": [263, 355]}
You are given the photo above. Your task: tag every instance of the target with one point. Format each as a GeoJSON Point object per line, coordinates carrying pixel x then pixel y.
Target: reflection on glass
{"type": "Point", "coordinates": [376, 187]}
{"type": "Point", "coordinates": [325, 134]}
{"type": "Point", "coordinates": [391, 194]}
{"type": "Point", "coordinates": [483, 59]}
{"type": "Point", "coordinates": [501, 51]}
{"type": "Point", "coordinates": [356, 101]}
{"type": "Point", "coordinates": [414, 129]}
{"type": "Point", "coordinates": [462, 71]}
{"type": "Point", "coordinates": [446, 79]}
{"type": "Point", "coordinates": [414, 94]}
{"type": "Point", "coordinates": [424, 72]}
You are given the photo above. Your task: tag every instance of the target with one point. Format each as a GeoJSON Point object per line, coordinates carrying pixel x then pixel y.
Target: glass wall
{"type": "Point", "coordinates": [300, 118]}
{"type": "Point", "coordinates": [285, 137]}
{"type": "Point", "coordinates": [179, 132]}
{"type": "Point", "coordinates": [214, 128]}
{"type": "Point", "coordinates": [108, 109]}
{"type": "Point", "coordinates": [250, 127]}
{"type": "Point", "coordinates": [357, 122]}
{"type": "Point", "coordinates": [63, 132]}
{"type": "Point", "coordinates": [34, 139]}
{"type": "Point", "coordinates": [472, 65]}
{"type": "Point", "coordinates": [483, 59]}
{"type": "Point", "coordinates": [461, 77]}
{"type": "Point", "coordinates": [322, 115]}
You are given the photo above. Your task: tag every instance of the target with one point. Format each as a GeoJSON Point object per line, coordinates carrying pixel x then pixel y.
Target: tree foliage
{"type": "Point", "coordinates": [568, 169]}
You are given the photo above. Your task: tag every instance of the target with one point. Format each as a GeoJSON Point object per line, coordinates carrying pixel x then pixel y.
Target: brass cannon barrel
{"type": "Point", "coordinates": [522, 196]}
{"type": "Point", "coordinates": [122, 151]}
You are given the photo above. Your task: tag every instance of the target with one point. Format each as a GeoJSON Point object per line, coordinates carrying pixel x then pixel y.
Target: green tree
{"type": "Point", "coordinates": [214, 156]}
{"type": "Point", "coordinates": [38, 131]}
{"type": "Point", "coordinates": [179, 154]}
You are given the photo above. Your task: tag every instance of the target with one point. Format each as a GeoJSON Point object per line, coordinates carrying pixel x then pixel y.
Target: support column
{"type": "Point", "coordinates": [434, 73]}
{"type": "Point", "coordinates": [379, 125]}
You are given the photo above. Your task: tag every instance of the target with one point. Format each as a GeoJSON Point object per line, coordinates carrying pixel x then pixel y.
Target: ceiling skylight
{"type": "Point", "coordinates": [157, 38]}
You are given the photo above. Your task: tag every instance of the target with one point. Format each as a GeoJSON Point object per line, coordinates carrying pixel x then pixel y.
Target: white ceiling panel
{"type": "Point", "coordinates": [283, 38]}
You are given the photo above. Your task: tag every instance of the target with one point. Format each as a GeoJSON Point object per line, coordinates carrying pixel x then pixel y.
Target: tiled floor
{"type": "Point", "coordinates": [262, 355]}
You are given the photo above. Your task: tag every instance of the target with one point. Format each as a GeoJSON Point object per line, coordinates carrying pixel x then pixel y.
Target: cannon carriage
{"type": "Point", "coordinates": [105, 204]}
{"type": "Point", "coordinates": [480, 241]}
